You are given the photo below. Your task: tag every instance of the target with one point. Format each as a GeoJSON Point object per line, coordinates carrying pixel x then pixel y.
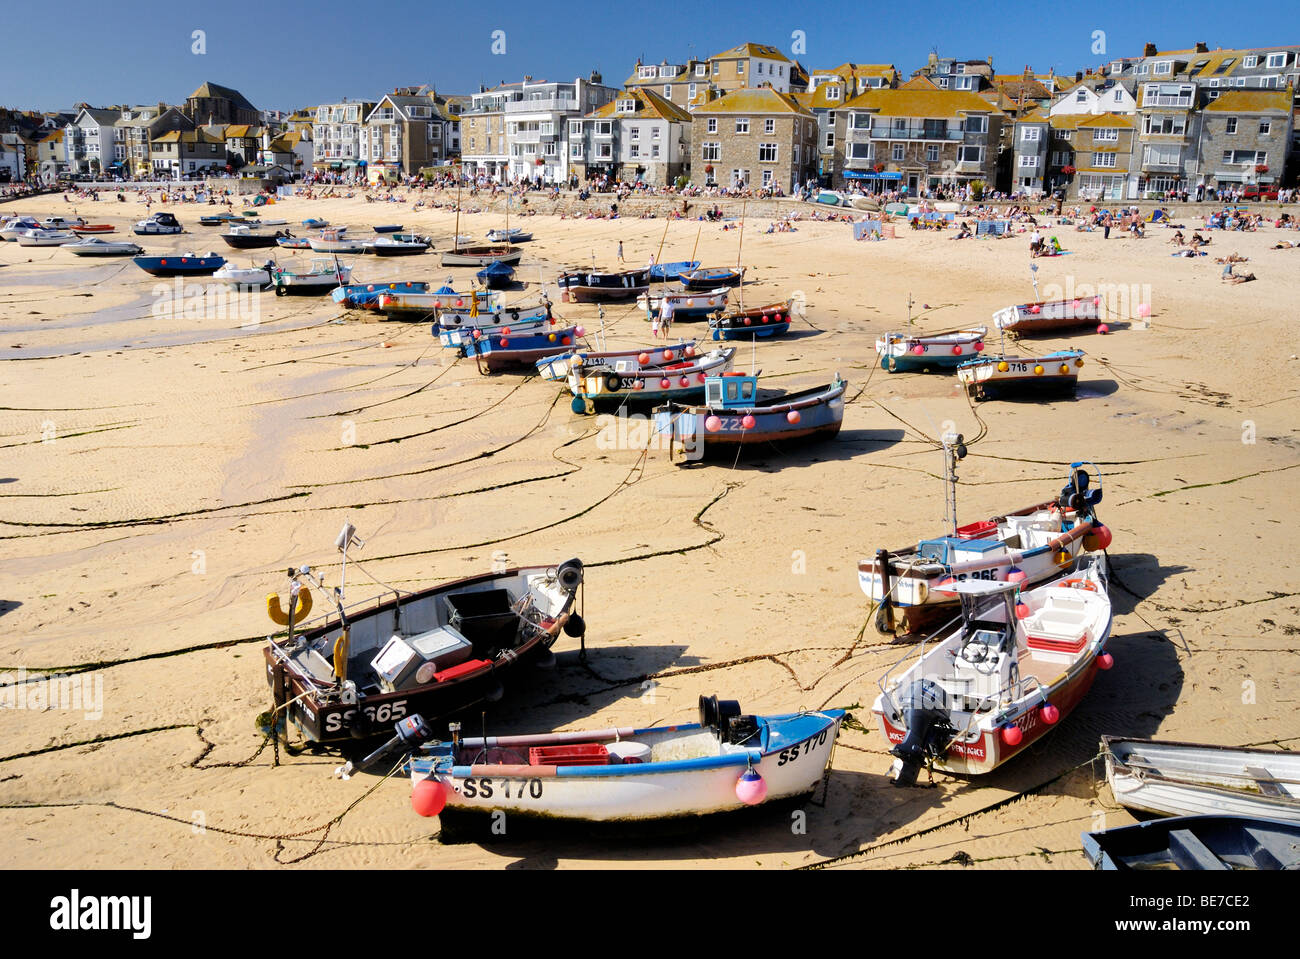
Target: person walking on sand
{"type": "Point", "coordinates": [666, 316]}
{"type": "Point", "coordinates": [620, 251]}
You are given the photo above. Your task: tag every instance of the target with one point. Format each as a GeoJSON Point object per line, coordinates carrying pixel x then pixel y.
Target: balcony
{"type": "Point", "coordinates": [1182, 103]}
{"type": "Point", "coordinates": [916, 133]}
{"type": "Point", "coordinates": [546, 105]}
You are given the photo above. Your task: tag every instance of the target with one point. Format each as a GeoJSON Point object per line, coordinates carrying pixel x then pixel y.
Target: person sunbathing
{"type": "Point", "coordinates": [1177, 238]}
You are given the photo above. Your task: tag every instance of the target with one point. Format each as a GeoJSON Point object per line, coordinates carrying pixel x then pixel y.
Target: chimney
{"type": "Point", "coordinates": [1078, 75]}
{"type": "Point", "coordinates": [1202, 47]}
{"type": "Point", "coordinates": [1149, 50]}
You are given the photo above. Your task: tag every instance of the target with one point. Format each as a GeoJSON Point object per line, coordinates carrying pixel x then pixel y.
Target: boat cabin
{"type": "Point", "coordinates": [730, 391]}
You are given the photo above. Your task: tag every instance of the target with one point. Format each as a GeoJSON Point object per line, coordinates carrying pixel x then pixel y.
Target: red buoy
{"type": "Point", "coordinates": [1012, 735]}
{"type": "Point", "coordinates": [1049, 713]}
{"type": "Point", "coordinates": [428, 797]}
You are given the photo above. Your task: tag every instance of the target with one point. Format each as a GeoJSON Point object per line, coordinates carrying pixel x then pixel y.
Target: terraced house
{"type": "Point", "coordinates": [537, 122]}
{"type": "Point", "coordinates": [1106, 158]}
{"type": "Point", "coordinates": [828, 91]}
{"type": "Point", "coordinates": [679, 83]}
{"type": "Point", "coordinates": [195, 151]}
{"type": "Point", "coordinates": [408, 130]}
{"type": "Point", "coordinates": [1245, 138]}
{"type": "Point", "coordinates": [484, 151]}
{"type": "Point", "coordinates": [917, 137]}
{"type": "Point", "coordinates": [336, 133]}
{"type": "Point", "coordinates": [753, 65]}
{"type": "Point", "coordinates": [759, 138]}
{"type": "Point", "coordinates": [638, 136]}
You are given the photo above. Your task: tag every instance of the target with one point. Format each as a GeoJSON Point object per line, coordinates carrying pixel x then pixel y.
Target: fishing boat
{"type": "Point", "coordinates": [1213, 843]}
{"type": "Point", "coordinates": [290, 242]}
{"type": "Point", "coordinates": [18, 225]}
{"type": "Point", "coordinates": [245, 276]}
{"type": "Point", "coordinates": [667, 272]}
{"type": "Point", "coordinates": [89, 229]}
{"type": "Point", "coordinates": [498, 350]}
{"type": "Point", "coordinates": [315, 223]}
{"type": "Point", "coordinates": [1017, 664]}
{"type": "Point", "coordinates": [323, 275]}
{"type": "Point", "coordinates": [1193, 779]}
{"type": "Point", "coordinates": [181, 264]}
{"type": "Point", "coordinates": [44, 237]}
{"type": "Point", "coordinates": [158, 224]}
{"type": "Point", "coordinates": [596, 383]}
{"type": "Point", "coordinates": [686, 305]}
{"type": "Point", "coordinates": [93, 246]}
{"type": "Point", "coordinates": [992, 377]}
{"type": "Point", "coordinates": [706, 278]}
{"type": "Point", "coordinates": [433, 652]}
{"type": "Point", "coordinates": [865, 203]}
{"type": "Point", "coordinates": [733, 415]}
{"type": "Point", "coordinates": [1049, 315]}
{"type": "Point", "coordinates": [1030, 545]}
{"type": "Point", "coordinates": [388, 228]}
{"type": "Point", "coordinates": [758, 322]}
{"type": "Point", "coordinates": [365, 296]}
{"type": "Point", "coordinates": [556, 368]}
{"type": "Point", "coordinates": [496, 275]}
{"type": "Point", "coordinates": [723, 763]}
{"type": "Point", "coordinates": [508, 236]}
{"type": "Point", "coordinates": [598, 287]}
{"type": "Point", "coordinates": [333, 241]}
{"type": "Point", "coordinates": [533, 320]}
{"type": "Point", "coordinates": [398, 245]}
{"type": "Point", "coordinates": [219, 219]}
{"type": "Point", "coordinates": [421, 306]}
{"type": "Point", "coordinates": [243, 238]}
{"type": "Point", "coordinates": [908, 352]}
{"type": "Point", "coordinates": [481, 255]}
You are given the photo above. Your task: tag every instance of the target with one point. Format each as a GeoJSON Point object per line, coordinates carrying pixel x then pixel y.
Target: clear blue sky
{"type": "Point", "coordinates": [285, 55]}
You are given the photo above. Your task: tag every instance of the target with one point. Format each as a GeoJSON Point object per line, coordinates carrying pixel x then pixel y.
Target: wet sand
{"type": "Point", "coordinates": [162, 472]}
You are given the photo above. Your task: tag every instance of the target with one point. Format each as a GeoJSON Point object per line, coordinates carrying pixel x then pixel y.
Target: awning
{"type": "Point", "coordinates": [1230, 177]}
{"type": "Point", "coordinates": [870, 175]}
{"type": "Point", "coordinates": [347, 164]}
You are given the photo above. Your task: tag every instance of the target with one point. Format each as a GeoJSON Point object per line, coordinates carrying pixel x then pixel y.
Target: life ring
{"type": "Point", "coordinates": [1080, 584]}
{"type": "Point", "coordinates": [280, 615]}
{"type": "Point", "coordinates": [612, 383]}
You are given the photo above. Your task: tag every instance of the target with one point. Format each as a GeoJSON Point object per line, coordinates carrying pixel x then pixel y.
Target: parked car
{"type": "Point", "coordinates": [1255, 192]}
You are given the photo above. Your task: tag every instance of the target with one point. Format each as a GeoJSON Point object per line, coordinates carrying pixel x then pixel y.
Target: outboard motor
{"type": "Point", "coordinates": [717, 714]}
{"type": "Point", "coordinates": [569, 575]}
{"type": "Point", "coordinates": [928, 729]}
{"type": "Point", "coordinates": [1077, 494]}
{"type": "Point", "coordinates": [408, 734]}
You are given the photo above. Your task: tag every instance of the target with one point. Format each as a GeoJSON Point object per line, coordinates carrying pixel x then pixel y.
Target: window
{"type": "Point", "coordinates": [647, 73]}
{"type": "Point", "coordinates": [392, 149]}
{"type": "Point", "coordinates": [654, 151]}
{"type": "Point", "coordinates": [435, 132]}
{"type": "Point", "coordinates": [760, 66]}
{"type": "Point", "coordinates": [1276, 61]}
{"type": "Point", "coordinates": [1081, 96]}
{"type": "Point", "coordinates": [767, 178]}
{"type": "Point", "coordinates": [767, 153]}
{"type": "Point", "coordinates": [1164, 124]}
{"type": "Point", "coordinates": [740, 68]}
{"type": "Point", "coordinates": [1030, 134]}
{"type": "Point", "coordinates": [1164, 68]}
{"type": "Point", "coordinates": [970, 154]}
{"type": "Point", "coordinates": [898, 152]}
{"type": "Point", "coordinates": [1105, 136]}
{"type": "Point", "coordinates": [634, 151]}
{"type": "Point", "coordinates": [713, 124]}
{"type": "Point", "coordinates": [1104, 159]}
{"type": "Point", "coordinates": [1264, 127]}
{"type": "Point", "coordinates": [711, 151]}
{"type": "Point", "coordinates": [932, 153]}
{"type": "Point", "coordinates": [1028, 161]}
{"type": "Point", "coordinates": [1250, 62]}
{"type": "Point", "coordinates": [604, 128]}
{"type": "Point", "coordinates": [1232, 126]}
{"type": "Point", "coordinates": [742, 125]}
{"type": "Point", "coordinates": [964, 83]}
{"type": "Point", "coordinates": [859, 151]}
{"type": "Point", "coordinates": [668, 91]}
{"type": "Point", "coordinates": [604, 151]}
{"type": "Point", "coordinates": [418, 112]}
{"type": "Point", "coordinates": [690, 92]}
{"type": "Point", "coordinates": [1119, 95]}
{"type": "Point", "coordinates": [654, 133]}
{"type": "Point", "coordinates": [701, 69]}
{"type": "Point", "coordinates": [634, 133]}
{"type": "Point", "coordinates": [832, 92]}
{"type": "Point", "coordinates": [1238, 81]}
{"type": "Point", "coordinates": [769, 126]}
{"type": "Point", "coordinates": [977, 124]}
{"type": "Point", "coordinates": [575, 128]}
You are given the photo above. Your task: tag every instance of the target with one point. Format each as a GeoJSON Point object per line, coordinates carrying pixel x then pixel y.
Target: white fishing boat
{"type": "Point", "coordinates": [687, 304]}
{"type": "Point", "coordinates": [725, 762]}
{"type": "Point", "coordinates": [1194, 779]}
{"type": "Point", "coordinates": [991, 377]}
{"type": "Point", "coordinates": [159, 224]}
{"type": "Point", "coordinates": [93, 246]}
{"type": "Point", "coordinates": [926, 352]}
{"type": "Point", "coordinates": [457, 325]}
{"type": "Point", "coordinates": [16, 226]}
{"type": "Point", "coordinates": [251, 276]}
{"type": "Point", "coordinates": [46, 238]}
{"type": "Point", "coordinates": [333, 241]}
{"type": "Point", "coordinates": [61, 223]}
{"type": "Point", "coordinates": [322, 277]}
{"type": "Point", "coordinates": [1018, 663]}
{"type": "Point", "coordinates": [515, 235]}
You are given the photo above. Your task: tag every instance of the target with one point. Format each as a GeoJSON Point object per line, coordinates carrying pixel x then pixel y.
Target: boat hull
{"type": "Point", "coordinates": [761, 323]}
{"type": "Point", "coordinates": [1049, 316]}
{"type": "Point", "coordinates": [482, 256]}
{"type": "Point", "coordinates": [180, 265]}
{"type": "Point", "coordinates": [899, 352]}
{"type": "Point", "coordinates": [497, 352]}
{"type": "Point", "coordinates": [709, 432]}
{"type": "Point", "coordinates": [1056, 373]}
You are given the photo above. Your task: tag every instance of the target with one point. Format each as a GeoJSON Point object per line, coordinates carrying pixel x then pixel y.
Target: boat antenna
{"type": "Point", "coordinates": [954, 449]}
{"type": "Point", "coordinates": [910, 301]}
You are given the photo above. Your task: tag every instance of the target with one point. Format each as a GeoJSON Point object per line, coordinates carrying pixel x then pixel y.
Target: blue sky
{"type": "Point", "coordinates": [286, 55]}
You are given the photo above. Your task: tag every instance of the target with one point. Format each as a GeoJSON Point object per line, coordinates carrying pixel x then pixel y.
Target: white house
{"type": "Point", "coordinates": [90, 139]}
{"type": "Point", "coordinates": [1080, 99]}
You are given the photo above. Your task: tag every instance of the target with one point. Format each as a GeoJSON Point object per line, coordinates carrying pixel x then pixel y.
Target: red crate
{"type": "Point", "coordinates": [461, 670]}
{"type": "Point", "coordinates": [570, 754]}
{"type": "Point", "coordinates": [977, 530]}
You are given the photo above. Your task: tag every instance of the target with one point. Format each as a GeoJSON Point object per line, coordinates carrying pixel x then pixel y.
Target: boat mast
{"type": "Point", "coordinates": [740, 288]}
{"type": "Point", "coordinates": [954, 449]}
{"type": "Point", "coordinates": [455, 239]}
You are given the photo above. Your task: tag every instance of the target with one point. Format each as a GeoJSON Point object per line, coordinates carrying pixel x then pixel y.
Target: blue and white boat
{"type": "Point", "coordinates": [365, 296]}
{"type": "Point", "coordinates": [908, 352]}
{"type": "Point", "coordinates": [556, 369]}
{"type": "Point", "coordinates": [686, 304]}
{"type": "Point", "coordinates": [315, 223]}
{"type": "Point", "coordinates": [498, 350]}
{"type": "Point", "coordinates": [596, 383]}
{"type": "Point", "coordinates": [509, 236]}
{"type": "Point", "coordinates": [723, 763]}
{"type": "Point", "coordinates": [759, 322]}
{"type": "Point", "coordinates": [666, 272]}
{"type": "Point", "coordinates": [1211, 843]}
{"type": "Point", "coordinates": [496, 275]}
{"type": "Point", "coordinates": [706, 278]}
{"type": "Point", "coordinates": [180, 264]}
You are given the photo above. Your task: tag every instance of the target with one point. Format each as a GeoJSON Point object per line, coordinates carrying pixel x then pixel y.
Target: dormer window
{"type": "Point", "coordinates": [1164, 67]}
{"type": "Point", "coordinates": [1276, 61]}
{"type": "Point", "coordinates": [832, 92]}
{"type": "Point", "coordinates": [1250, 62]}
{"type": "Point", "coordinates": [626, 106]}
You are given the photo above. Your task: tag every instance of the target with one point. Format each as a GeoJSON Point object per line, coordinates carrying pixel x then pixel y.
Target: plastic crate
{"type": "Point", "coordinates": [977, 530]}
{"type": "Point", "coordinates": [570, 754]}
{"type": "Point", "coordinates": [457, 671]}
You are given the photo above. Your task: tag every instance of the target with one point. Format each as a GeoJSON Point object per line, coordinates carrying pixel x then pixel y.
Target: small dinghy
{"type": "Point", "coordinates": [323, 276]}
{"type": "Point", "coordinates": [158, 224]}
{"type": "Point", "coordinates": [94, 228]}
{"type": "Point", "coordinates": [1192, 779]}
{"type": "Point", "coordinates": [496, 275]}
{"type": "Point", "coordinates": [293, 242]}
{"type": "Point", "coordinates": [1032, 545]}
{"type": "Point", "coordinates": [1049, 315]}
{"type": "Point", "coordinates": [432, 652]}
{"type": "Point", "coordinates": [314, 223]}
{"type": "Point", "coordinates": [458, 326]}
{"type": "Point", "coordinates": [389, 228]}
{"type": "Point", "coordinates": [994, 377]}
{"type": "Point", "coordinates": [1211, 843]}
{"type": "Point", "coordinates": [909, 352]}
{"type": "Point", "coordinates": [556, 368]}
{"type": "Point", "coordinates": [733, 415]}
{"type": "Point", "coordinates": [181, 264]}
{"type": "Point", "coordinates": [365, 296]}
{"type": "Point", "coordinates": [830, 198]}
{"type": "Point", "coordinates": [581, 286]}
{"type": "Point", "coordinates": [758, 322]}
{"type": "Point", "coordinates": [46, 237]}
{"type": "Point", "coordinates": [1020, 661]}
{"type": "Point", "coordinates": [596, 383]}
{"type": "Point", "coordinates": [399, 245]}
{"type": "Point", "coordinates": [93, 246]}
{"type": "Point", "coordinates": [706, 278]}
{"type": "Point", "coordinates": [402, 305]}
{"type": "Point", "coordinates": [219, 219]}
{"type": "Point", "coordinates": [686, 305]}
{"type": "Point", "coordinates": [667, 272]}
{"type": "Point", "coordinates": [724, 763]}
{"type": "Point", "coordinates": [504, 349]}
{"type": "Point", "coordinates": [508, 236]}
{"type": "Point", "coordinates": [482, 256]}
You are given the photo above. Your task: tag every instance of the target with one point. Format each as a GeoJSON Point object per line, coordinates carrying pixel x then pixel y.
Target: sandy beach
{"type": "Point", "coordinates": [161, 472]}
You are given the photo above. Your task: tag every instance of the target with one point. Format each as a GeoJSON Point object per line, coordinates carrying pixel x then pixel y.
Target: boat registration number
{"type": "Point", "coordinates": [383, 713]}
{"type": "Point", "coordinates": [792, 753]}
{"type": "Point", "coordinates": [1017, 367]}
{"type": "Point", "coordinates": [510, 788]}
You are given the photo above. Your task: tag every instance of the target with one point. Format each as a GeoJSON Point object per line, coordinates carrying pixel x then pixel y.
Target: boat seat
{"type": "Point", "coordinates": [316, 665]}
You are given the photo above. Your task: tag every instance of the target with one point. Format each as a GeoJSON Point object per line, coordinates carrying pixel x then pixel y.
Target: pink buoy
{"type": "Point", "coordinates": [748, 321]}
{"type": "Point", "coordinates": [643, 358]}
{"type": "Point", "coordinates": [578, 331]}
{"type": "Point", "coordinates": [751, 788]}
{"type": "Point", "coordinates": [793, 417]}
{"type": "Point", "coordinates": [1035, 309]}
{"type": "Point", "coordinates": [712, 424]}
{"type": "Point", "coordinates": [428, 797]}
{"type": "Point", "coordinates": [1105, 661]}
{"type": "Point", "coordinates": [664, 383]}
{"type": "Point", "coordinates": [1022, 611]}
{"type": "Point", "coordinates": [1016, 575]}
{"type": "Point", "coordinates": [701, 377]}
{"type": "Point", "coordinates": [1012, 735]}
{"type": "Point", "coordinates": [1144, 309]}
{"type": "Point", "coordinates": [640, 385]}
{"type": "Point", "coordinates": [918, 349]}
{"type": "Point", "coordinates": [688, 352]}
{"type": "Point", "coordinates": [1049, 713]}
{"type": "Point", "coordinates": [748, 422]}
{"type": "Point", "coordinates": [668, 356]}
{"type": "Point", "coordinates": [684, 382]}
{"type": "Point", "coordinates": [1103, 328]}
